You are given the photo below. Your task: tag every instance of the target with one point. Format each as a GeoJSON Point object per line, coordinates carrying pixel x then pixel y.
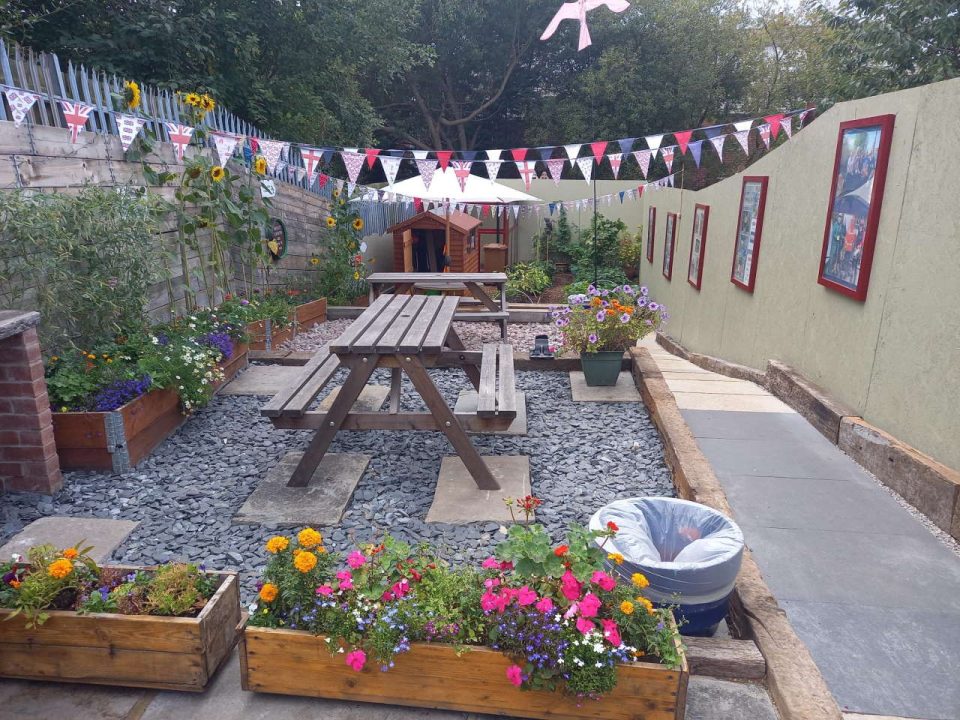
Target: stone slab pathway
{"type": "Point", "coordinates": [873, 594]}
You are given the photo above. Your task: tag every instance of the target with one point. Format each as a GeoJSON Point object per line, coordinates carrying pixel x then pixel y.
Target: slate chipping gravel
{"type": "Point", "coordinates": [582, 455]}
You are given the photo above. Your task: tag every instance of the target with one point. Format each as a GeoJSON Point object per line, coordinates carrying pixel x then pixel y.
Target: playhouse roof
{"type": "Point", "coordinates": [430, 219]}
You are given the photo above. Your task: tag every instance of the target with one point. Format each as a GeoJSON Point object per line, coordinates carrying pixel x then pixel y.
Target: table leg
{"type": "Point", "coordinates": [504, 307]}
{"type": "Point", "coordinates": [395, 380]}
{"type": "Point", "coordinates": [473, 371]}
{"type": "Point", "coordinates": [448, 422]}
{"type": "Point", "coordinates": [361, 369]}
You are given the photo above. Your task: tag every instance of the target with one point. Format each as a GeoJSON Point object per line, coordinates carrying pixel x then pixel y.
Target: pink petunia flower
{"type": "Point", "coordinates": [545, 605]}
{"type": "Point", "coordinates": [603, 580]}
{"type": "Point", "coordinates": [346, 580]}
{"type": "Point", "coordinates": [526, 596]}
{"type": "Point", "coordinates": [585, 626]}
{"type": "Point", "coordinates": [589, 605]}
{"type": "Point", "coordinates": [515, 675]}
{"type": "Point", "coordinates": [356, 659]}
{"type": "Point", "coordinates": [325, 590]}
{"type": "Point", "coordinates": [401, 588]}
{"type": "Point", "coordinates": [491, 563]}
{"type": "Point", "coordinates": [611, 632]}
{"type": "Point", "coordinates": [570, 586]}
{"type": "Point", "coordinates": [356, 559]}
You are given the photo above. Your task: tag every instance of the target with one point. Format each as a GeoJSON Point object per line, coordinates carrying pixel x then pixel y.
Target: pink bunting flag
{"type": "Point", "coordinates": [743, 137]}
{"type": "Point", "coordinates": [717, 143]}
{"type": "Point", "coordinates": [586, 168]}
{"type": "Point", "coordinates": [76, 114]}
{"type": "Point", "coordinates": [371, 154]}
{"type": "Point", "coordinates": [443, 157]}
{"type": "Point", "coordinates": [353, 162]}
{"type": "Point", "coordinates": [667, 155]}
{"type": "Point", "coordinates": [461, 168]}
{"type": "Point", "coordinates": [555, 168]}
{"type": "Point", "coordinates": [527, 171]}
{"type": "Point", "coordinates": [764, 134]}
{"type": "Point", "coordinates": [683, 138]}
{"type": "Point", "coordinates": [312, 157]}
{"type": "Point", "coordinates": [643, 160]}
{"type": "Point", "coordinates": [272, 150]}
{"type": "Point", "coordinates": [493, 168]}
{"type": "Point", "coordinates": [390, 165]}
{"type": "Point", "coordinates": [426, 168]}
{"type": "Point", "coordinates": [180, 137]}
{"type": "Point", "coordinates": [616, 159]}
{"type": "Point", "coordinates": [598, 149]}
{"type": "Point", "coordinates": [519, 154]}
{"type": "Point", "coordinates": [129, 126]}
{"type": "Point", "coordinates": [787, 126]}
{"type": "Point", "coordinates": [20, 103]}
{"type": "Point", "coordinates": [774, 122]}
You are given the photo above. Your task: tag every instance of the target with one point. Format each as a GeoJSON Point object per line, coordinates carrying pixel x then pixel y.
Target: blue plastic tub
{"type": "Point", "coordinates": [690, 553]}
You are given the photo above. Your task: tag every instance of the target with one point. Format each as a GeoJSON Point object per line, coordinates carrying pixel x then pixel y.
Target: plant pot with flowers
{"type": "Point", "coordinates": [65, 619]}
{"type": "Point", "coordinates": [538, 631]}
{"type": "Point", "coordinates": [602, 324]}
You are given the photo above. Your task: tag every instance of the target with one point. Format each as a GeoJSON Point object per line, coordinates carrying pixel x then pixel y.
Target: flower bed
{"type": "Point", "coordinates": [168, 627]}
{"type": "Point", "coordinates": [539, 617]}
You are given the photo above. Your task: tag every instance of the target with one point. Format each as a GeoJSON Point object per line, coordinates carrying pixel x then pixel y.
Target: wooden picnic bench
{"type": "Point", "coordinates": [494, 310]}
{"type": "Point", "coordinates": [408, 334]}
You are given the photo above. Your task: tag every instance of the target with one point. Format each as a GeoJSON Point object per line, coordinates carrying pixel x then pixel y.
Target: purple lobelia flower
{"type": "Point", "coordinates": [119, 393]}
{"type": "Point", "coordinates": [219, 341]}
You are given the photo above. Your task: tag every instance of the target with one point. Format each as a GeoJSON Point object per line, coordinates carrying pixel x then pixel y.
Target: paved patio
{"type": "Point", "coordinates": [870, 590]}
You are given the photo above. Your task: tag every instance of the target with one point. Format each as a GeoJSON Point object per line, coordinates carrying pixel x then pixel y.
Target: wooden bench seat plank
{"type": "Point", "coordinates": [506, 383]}
{"type": "Point", "coordinates": [391, 278]}
{"type": "Point", "coordinates": [311, 388]}
{"type": "Point", "coordinates": [437, 335]}
{"type": "Point", "coordinates": [412, 341]}
{"type": "Point", "coordinates": [359, 326]}
{"type": "Point", "coordinates": [487, 394]}
{"type": "Point", "coordinates": [390, 340]}
{"type": "Point", "coordinates": [367, 342]}
{"type": "Point", "coordinates": [275, 406]}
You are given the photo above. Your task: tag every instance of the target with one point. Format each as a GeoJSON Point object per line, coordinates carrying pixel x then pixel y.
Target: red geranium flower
{"type": "Point", "coordinates": [561, 550]}
{"type": "Point", "coordinates": [612, 526]}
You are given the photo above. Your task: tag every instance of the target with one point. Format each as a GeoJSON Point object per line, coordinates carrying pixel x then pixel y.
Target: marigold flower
{"type": "Point", "coordinates": [561, 550]}
{"type": "Point", "coordinates": [626, 607]}
{"type": "Point", "coordinates": [639, 580]}
{"type": "Point", "coordinates": [260, 165]}
{"type": "Point", "coordinates": [217, 173]}
{"type": "Point", "coordinates": [646, 604]}
{"type": "Point", "coordinates": [616, 558]}
{"type": "Point", "coordinates": [309, 538]}
{"type": "Point", "coordinates": [331, 221]}
{"type": "Point", "coordinates": [70, 553]}
{"type": "Point", "coordinates": [358, 224]}
{"type": "Point", "coordinates": [277, 543]}
{"type": "Point", "coordinates": [59, 569]}
{"type": "Point", "coordinates": [305, 561]}
{"type": "Point", "coordinates": [15, 584]}
{"type": "Point", "coordinates": [269, 592]}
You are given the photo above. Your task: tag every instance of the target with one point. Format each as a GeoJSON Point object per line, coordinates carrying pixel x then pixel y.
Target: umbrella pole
{"type": "Point", "coordinates": [446, 244]}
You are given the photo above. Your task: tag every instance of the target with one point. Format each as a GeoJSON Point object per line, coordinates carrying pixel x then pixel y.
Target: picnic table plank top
{"type": "Point", "coordinates": [399, 323]}
{"type": "Point", "coordinates": [492, 278]}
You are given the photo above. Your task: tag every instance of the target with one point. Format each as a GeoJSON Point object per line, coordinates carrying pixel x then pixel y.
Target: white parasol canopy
{"type": "Point", "coordinates": [445, 187]}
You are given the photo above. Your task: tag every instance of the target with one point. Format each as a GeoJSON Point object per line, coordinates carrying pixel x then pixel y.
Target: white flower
{"type": "Point", "coordinates": [252, 607]}
{"type": "Point", "coordinates": [598, 648]}
{"type": "Point", "coordinates": [599, 664]}
{"type": "Point", "coordinates": [155, 340]}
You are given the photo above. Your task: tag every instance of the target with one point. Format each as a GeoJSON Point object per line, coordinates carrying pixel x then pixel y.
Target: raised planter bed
{"type": "Point", "coordinates": [265, 336]}
{"type": "Point", "coordinates": [120, 439]}
{"type": "Point", "coordinates": [291, 662]}
{"type": "Point", "coordinates": [169, 653]}
{"type": "Point", "coordinates": [310, 314]}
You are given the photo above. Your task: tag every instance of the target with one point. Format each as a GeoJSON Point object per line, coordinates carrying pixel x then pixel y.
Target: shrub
{"type": "Point", "coordinates": [527, 281]}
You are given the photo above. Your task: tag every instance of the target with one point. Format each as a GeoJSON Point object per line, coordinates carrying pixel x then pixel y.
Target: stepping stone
{"type": "Point", "coordinates": [62, 532]}
{"type": "Point", "coordinates": [263, 380]}
{"type": "Point", "coordinates": [458, 500]}
{"type": "Point", "coordinates": [371, 399]}
{"type": "Point", "coordinates": [467, 405]}
{"type": "Point", "coordinates": [322, 502]}
{"type": "Point", "coordinates": [624, 391]}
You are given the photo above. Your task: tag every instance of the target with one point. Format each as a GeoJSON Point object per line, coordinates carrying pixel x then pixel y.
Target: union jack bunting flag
{"type": "Point", "coordinates": [76, 115]}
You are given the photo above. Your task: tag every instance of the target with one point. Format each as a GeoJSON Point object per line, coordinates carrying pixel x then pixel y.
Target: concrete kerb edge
{"type": "Point", "coordinates": [793, 679]}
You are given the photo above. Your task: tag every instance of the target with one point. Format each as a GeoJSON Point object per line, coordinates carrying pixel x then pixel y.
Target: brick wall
{"type": "Point", "coordinates": [28, 454]}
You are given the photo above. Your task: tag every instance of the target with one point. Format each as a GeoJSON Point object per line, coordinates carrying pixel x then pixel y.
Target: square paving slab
{"type": "Point", "coordinates": [716, 387]}
{"type": "Point", "coordinates": [263, 380]}
{"type": "Point", "coordinates": [812, 458]}
{"type": "Point", "coordinates": [735, 403]}
{"type": "Point", "coordinates": [624, 391]}
{"type": "Point", "coordinates": [322, 502]}
{"type": "Point", "coordinates": [104, 535]}
{"type": "Point", "coordinates": [734, 425]}
{"type": "Point", "coordinates": [467, 405]}
{"type": "Point", "coordinates": [458, 500]}
{"type": "Point", "coordinates": [371, 399]}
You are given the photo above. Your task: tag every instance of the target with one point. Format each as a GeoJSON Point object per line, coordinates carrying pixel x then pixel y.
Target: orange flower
{"type": "Point", "coordinates": [305, 561]}
{"type": "Point", "coordinates": [70, 553]}
{"type": "Point", "coordinates": [596, 302]}
{"type": "Point", "coordinates": [268, 593]}
{"type": "Point", "coordinates": [59, 569]}
{"type": "Point", "coordinates": [561, 550]}
{"type": "Point", "coordinates": [14, 584]}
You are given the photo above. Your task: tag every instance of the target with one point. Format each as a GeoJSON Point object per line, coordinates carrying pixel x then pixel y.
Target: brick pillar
{"type": "Point", "coordinates": [28, 453]}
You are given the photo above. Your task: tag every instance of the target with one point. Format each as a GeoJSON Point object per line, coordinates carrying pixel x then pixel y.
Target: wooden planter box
{"type": "Point", "coordinates": [238, 361]}
{"type": "Point", "coordinates": [131, 650]}
{"type": "Point", "coordinates": [310, 314]}
{"type": "Point", "coordinates": [120, 439]}
{"type": "Point", "coordinates": [291, 662]}
{"type": "Point", "coordinates": [263, 336]}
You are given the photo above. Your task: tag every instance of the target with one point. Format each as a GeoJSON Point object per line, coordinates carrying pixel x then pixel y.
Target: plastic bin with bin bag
{"type": "Point", "coordinates": [690, 553]}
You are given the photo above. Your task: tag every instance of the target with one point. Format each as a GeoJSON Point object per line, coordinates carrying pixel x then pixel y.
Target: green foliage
{"type": "Point", "coordinates": [50, 581]}
{"type": "Point", "coordinates": [527, 281]}
{"type": "Point", "coordinates": [607, 279]}
{"type": "Point", "coordinates": [630, 248]}
{"type": "Point", "coordinates": [86, 261]}
{"type": "Point", "coordinates": [176, 590]}
{"type": "Point", "coordinates": [340, 272]}
{"type": "Point", "coordinates": [601, 248]}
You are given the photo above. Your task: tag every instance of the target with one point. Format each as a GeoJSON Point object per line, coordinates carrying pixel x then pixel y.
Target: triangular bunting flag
{"type": "Point", "coordinates": [390, 165]}
{"type": "Point", "coordinates": [180, 137]}
{"type": "Point", "coordinates": [516, 211]}
{"type": "Point", "coordinates": [643, 160]}
{"type": "Point", "coordinates": [805, 115]}
{"type": "Point", "coordinates": [653, 141]}
{"type": "Point", "coordinates": [546, 153]}
{"type": "Point", "coordinates": [667, 155]}
{"type": "Point", "coordinates": [713, 131]}
{"type": "Point", "coordinates": [469, 155]}
{"type": "Point", "coordinates": [371, 154]}
{"type": "Point", "coordinates": [695, 150]}
{"type": "Point", "coordinates": [462, 170]}
{"type": "Point", "coordinates": [443, 157]}
{"type": "Point", "coordinates": [130, 125]}
{"type": "Point", "coordinates": [555, 168]}
{"type": "Point", "coordinates": [717, 143]}
{"type": "Point", "coordinates": [20, 103]}
{"type": "Point", "coordinates": [420, 154]}
{"type": "Point", "coordinates": [527, 170]}
{"type": "Point", "coordinates": [493, 154]}
{"type": "Point", "coordinates": [324, 179]}
{"type": "Point", "coordinates": [353, 162]}
{"type": "Point", "coordinates": [311, 161]}
{"type": "Point", "coordinates": [272, 150]}
{"type": "Point", "coordinates": [598, 149]}
{"type": "Point", "coordinates": [76, 115]}
{"type": "Point", "coordinates": [254, 144]}
{"type": "Point", "coordinates": [621, 194]}
{"type": "Point", "coordinates": [351, 186]}
{"type": "Point", "coordinates": [493, 168]}
{"type": "Point", "coordinates": [774, 122]}
{"type": "Point", "coordinates": [519, 154]}
{"type": "Point", "coordinates": [743, 137]}
{"type": "Point", "coordinates": [572, 151]}
{"type": "Point", "coordinates": [764, 134]}
{"type": "Point", "coordinates": [327, 155]}
{"type": "Point", "coordinates": [616, 159]}
{"type": "Point", "coordinates": [787, 125]}
{"type": "Point", "coordinates": [626, 145]}
{"type": "Point", "coordinates": [743, 125]}
{"type": "Point", "coordinates": [552, 207]}
{"type": "Point", "coordinates": [586, 167]}
{"type": "Point", "coordinates": [683, 138]}
{"type": "Point", "coordinates": [427, 168]}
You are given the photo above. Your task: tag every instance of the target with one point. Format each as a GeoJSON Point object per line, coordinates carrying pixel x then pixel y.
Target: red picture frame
{"type": "Point", "coordinates": [856, 196]}
{"type": "Point", "coordinates": [651, 231]}
{"type": "Point", "coordinates": [669, 244]}
{"type": "Point", "coordinates": [698, 245]}
{"type": "Point", "coordinates": [746, 248]}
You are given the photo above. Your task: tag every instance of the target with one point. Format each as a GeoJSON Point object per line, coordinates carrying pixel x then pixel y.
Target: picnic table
{"type": "Point", "coordinates": [408, 334]}
{"type": "Point", "coordinates": [494, 310]}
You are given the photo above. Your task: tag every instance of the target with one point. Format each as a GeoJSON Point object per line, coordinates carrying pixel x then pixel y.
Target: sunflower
{"type": "Point", "coordinates": [192, 99]}
{"type": "Point", "coordinates": [217, 173]}
{"type": "Point", "coordinates": [207, 103]}
{"type": "Point", "coordinates": [331, 222]}
{"type": "Point", "coordinates": [336, 194]}
{"type": "Point", "coordinates": [314, 261]}
{"type": "Point", "coordinates": [131, 94]}
{"type": "Point", "coordinates": [260, 165]}
{"type": "Point", "coordinates": [358, 224]}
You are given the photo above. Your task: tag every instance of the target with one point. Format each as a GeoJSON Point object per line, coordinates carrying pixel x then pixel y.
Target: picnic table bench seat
{"type": "Point", "coordinates": [497, 394]}
{"type": "Point", "coordinates": [294, 399]}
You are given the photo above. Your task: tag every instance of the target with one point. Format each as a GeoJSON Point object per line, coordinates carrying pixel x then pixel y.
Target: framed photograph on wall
{"type": "Point", "coordinates": [651, 229]}
{"type": "Point", "coordinates": [698, 242]}
{"type": "Point", "coordinates": [859, 174]}
{"type": "Point", "coordinates": [669, 240]}
{"type": "Point", "coordinates": [753, 199]}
